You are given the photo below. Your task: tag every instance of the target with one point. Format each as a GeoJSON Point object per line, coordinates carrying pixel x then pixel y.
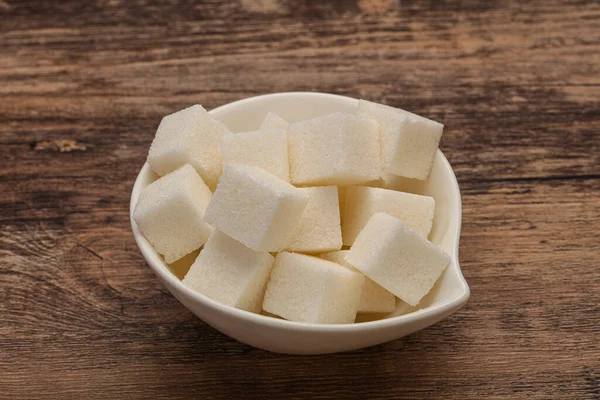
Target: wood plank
{"type": "Point", "coordinates": [530, 326]}
{"type": "Point", "coordinates": [449, 70]}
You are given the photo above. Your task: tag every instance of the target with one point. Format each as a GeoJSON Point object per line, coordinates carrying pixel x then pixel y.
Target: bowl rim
{"type": "Point", "coordinates": [162, 271]}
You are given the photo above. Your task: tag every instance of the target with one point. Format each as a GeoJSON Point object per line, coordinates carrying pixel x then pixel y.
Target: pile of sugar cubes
{"type": "Point", "coordinates": [288, 217]}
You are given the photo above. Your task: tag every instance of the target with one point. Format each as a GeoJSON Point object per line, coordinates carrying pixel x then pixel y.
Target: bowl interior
{"type": "Point", "coordinates": [247, 114]}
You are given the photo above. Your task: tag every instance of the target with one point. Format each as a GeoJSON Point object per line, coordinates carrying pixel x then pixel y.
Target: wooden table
{"type": "Point", "coordinates": [83, 86]}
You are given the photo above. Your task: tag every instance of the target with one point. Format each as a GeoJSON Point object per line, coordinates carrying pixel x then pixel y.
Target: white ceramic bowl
{"type": "Point", "coordinates": [448, 295]}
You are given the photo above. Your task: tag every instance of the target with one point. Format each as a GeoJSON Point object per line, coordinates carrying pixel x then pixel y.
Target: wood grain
{"type": "Point", "coordinates": [83, 86]}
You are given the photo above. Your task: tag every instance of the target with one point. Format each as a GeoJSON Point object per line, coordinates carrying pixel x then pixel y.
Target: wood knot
{"type": "Point", "coordinates": [377, 7]}
{"type": "Point", "coordinates": [61, 145]}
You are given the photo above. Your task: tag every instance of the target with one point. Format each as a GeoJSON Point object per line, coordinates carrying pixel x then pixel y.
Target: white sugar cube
{"type": "Point", "coordinates": [336, 149]}
{"type": "Point", "coordinates": [273, 120]}
{"type": "Point", "coordinates": [398, 258]}
{"type": "Point", "coordinates": [342, 190]}
{"type": "Point", "coordinates": [256, 208]}
{"type": "Point", "coordinates": [319, 229]}
{"type": "Point", "coordinates": [170, 212]}
{"type": "Point", "coordinates": [409, 141]}
{"type": "Point", "coordinates": [309, 289]}
{"type": "Point", "coordinates": [379, 183]}
{"type": "Point", "coordinates": [374, 298]}
{"type": "Point", "coordinates": [189, 136]}
{"type": "Point", "coordinates": [342, 199]}
{"type": "Point", "coordinates": [362, 202]}
{"type": "Point", "coordinates": [231, 273]}
{"type": "Point", "coordinates": [265, 148]}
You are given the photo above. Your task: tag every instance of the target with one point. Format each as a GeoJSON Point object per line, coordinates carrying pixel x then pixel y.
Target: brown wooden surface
{"type": "Point", "coordinates": [83, 86]}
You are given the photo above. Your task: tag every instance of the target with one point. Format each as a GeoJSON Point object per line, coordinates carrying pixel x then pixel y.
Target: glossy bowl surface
{"type": "Point", "coordinates": [448, 295]}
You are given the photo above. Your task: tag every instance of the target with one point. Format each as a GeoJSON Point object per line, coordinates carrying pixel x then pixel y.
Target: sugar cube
{"type": "Point", "coordinates": [319, 229]}
{"type": "Point", "coordinates": [265, 148]}
{"type": "Point", "coordinates": [256, 208]}
{"type": "Point", "coordinates": [374, 298]}
{"type": "Point", "coordinates": [231, 273]}
{"type": "Point", "coordinates": [343, 189]}
{"type": "Point", "coordinates": [170, 212]}
{"type": "Point", "coordinates": [409, 141]}
{"type": "Point", "coordinates": [379, 183]}
{"type": "Point", "coordinates": [398, 258]}
{"type": "Point", "coordinates": [273, 120]}
{"type": "Point", "coordinates": [362, 202]}
{"type": "Point", "coordinates": [342, 199]}
{"type": "Point", "coordinates": [336, 149]}
{"type": "Point", "coordinates": [309, 289]}
{"type": "Point", "coordinates": [189, 136]}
